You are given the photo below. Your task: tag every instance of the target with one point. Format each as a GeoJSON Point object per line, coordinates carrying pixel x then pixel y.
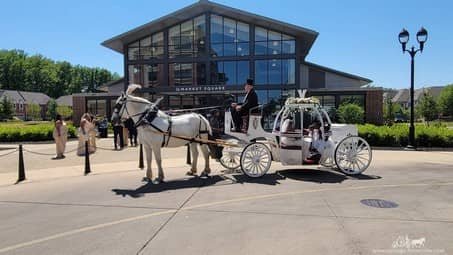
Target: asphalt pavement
{"type": "Point", "coordinates": [402, 204]}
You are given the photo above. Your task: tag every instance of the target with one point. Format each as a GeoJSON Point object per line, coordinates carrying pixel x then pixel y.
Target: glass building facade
{"type": "Point", "coordinates": [201, 55]}
{"type": "Point", "coordinates": [213, 55]}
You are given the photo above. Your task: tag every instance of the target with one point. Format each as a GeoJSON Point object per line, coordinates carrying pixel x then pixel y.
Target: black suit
{"type": "Point", "coordinates": [250, 101]}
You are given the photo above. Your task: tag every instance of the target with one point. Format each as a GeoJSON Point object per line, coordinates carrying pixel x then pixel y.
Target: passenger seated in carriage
{"type": "Point", "coordinates": [242, 110]}
{"type": "Point", "coordinates": [288, 131]}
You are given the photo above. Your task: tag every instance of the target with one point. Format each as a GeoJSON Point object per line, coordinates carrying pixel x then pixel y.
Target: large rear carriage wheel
{"type": "Point", "coordinates": [256, 160]}
{"type": "Point", "coordinates": [353, 155]}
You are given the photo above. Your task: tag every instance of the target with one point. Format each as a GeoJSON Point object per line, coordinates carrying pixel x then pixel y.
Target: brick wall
{"type": "Point", "coordinates": [374, 107]}
{"type": "Point", "coordinates": [78, 108]}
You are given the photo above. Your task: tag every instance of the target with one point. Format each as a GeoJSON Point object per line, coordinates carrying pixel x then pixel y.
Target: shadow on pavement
{"type": "Point", "coordinates": [309, 175]}
{"type": "Point", "coordinates": [197, 182]}
{"type": "Point", "coordinates": [322, 176]}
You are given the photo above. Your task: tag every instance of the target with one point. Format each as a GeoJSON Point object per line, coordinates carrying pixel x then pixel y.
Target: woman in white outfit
{"type": "Point", "coordinates": [60, 135]}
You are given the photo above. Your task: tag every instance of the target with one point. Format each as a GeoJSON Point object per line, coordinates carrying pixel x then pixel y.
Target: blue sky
{"type": "Point", "coordinates": [359, 37]}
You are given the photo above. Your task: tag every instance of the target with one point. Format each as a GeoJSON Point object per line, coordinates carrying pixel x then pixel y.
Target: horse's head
{"type": "Point", "coordinates": [120, 105]}
{"type": "Point", "coordinates": [121, 102]}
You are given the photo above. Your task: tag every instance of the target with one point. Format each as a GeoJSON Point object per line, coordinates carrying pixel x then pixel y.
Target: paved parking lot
{"type": "Point", "coordinates": [292, 210]}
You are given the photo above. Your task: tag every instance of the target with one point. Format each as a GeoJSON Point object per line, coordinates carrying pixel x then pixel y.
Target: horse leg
{"type": "Point", "coordinates": [205, 151]}
{"type": "Point", "coordinates": [194, 150]}
{"type": "Point", "coordinates": [149, 171]}
{"type": "Point", "coordinates": [157, 154]}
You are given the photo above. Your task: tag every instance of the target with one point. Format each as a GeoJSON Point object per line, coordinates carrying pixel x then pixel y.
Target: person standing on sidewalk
{"type": "Point", "coordinates": [117, 130]}
{"type": "Point", "coordinates": [60, 135]}
{"type": "Point", "coordinates": [132, 130]}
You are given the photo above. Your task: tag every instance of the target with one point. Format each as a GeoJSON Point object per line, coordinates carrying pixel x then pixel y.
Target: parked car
{"type": "Point", "coordinates": [400, 119]}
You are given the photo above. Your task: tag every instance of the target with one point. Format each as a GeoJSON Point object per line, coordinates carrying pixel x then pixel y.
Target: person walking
{"type": "Point", "coordinates": [60, 135]}
{"type": "Point", "coordinates": [132, 130]}
{"type": "Point", "coordinates": [117, 130]}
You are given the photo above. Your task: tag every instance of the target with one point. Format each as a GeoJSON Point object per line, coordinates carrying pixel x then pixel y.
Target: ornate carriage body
{"type": "Point", "coordinates": [302, 134]}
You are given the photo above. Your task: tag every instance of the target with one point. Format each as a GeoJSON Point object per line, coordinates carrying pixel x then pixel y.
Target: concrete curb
{"type": "Point", "coordinates": [418, 149]}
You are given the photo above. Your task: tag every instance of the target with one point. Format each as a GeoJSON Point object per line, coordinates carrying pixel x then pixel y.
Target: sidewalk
{"type": "Point", "coordinates": [173, 168]}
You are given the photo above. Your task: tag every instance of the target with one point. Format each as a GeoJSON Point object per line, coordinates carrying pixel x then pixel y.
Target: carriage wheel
{"type": "Point", "coordinates": [353, 155]}
{"type": "Point", "coordinates": [231, 160]}
{"type": "Point", "coordinates": [256, 160]}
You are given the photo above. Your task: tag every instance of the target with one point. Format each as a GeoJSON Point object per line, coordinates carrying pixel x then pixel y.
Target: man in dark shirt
{"type": "Point", "coordinates": [117, 130]}
{"type": "Point", "coordinates": [239, 110]}
{"type": "Point", "coordinates": [130, 125]}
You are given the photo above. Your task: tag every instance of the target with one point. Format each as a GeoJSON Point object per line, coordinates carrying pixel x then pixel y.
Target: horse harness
{"type": "Point", "coordinates": [148, 116]}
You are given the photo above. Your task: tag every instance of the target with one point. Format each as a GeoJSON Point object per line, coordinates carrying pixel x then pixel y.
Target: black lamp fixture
{"type": "Point", "coordinates": [403, 37]}
{"type": "Point", "coordinates": [422, 37]}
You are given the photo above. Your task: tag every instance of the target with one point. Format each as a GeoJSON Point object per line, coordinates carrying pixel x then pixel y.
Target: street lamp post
{"type": "Point", "coordinates": [403, 37]}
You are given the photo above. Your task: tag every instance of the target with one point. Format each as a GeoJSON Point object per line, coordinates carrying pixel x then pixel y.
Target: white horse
{"type": "Point", "coordinates": [190, 125]}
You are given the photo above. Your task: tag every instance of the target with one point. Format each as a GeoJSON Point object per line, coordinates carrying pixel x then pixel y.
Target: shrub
{"type": "Point", "coordinates": [20, 132]}
{"type": "Point", "coordinates": [64, 111]}
{"type": "Point", "coordinates": [446, 100]}
{"type": "Point", "coordinates": [51, 109]}
{"type": "Point", "coordinates": [351, 113]}
{"type": "Point", "coordinates": [397, 135]}
{"type": "Point", "coordinates": [33, 112]}
{"type": "Point", "coordinates": [6, 109]}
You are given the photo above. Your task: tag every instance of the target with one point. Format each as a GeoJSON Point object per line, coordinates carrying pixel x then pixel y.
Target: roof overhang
{"type": "Point", "coordinates": [303, 34]}
{"type": "Point", "coordinates": [327, 69]}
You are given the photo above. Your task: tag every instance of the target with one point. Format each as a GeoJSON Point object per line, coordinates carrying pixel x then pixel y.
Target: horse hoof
{"type": "Point", "coordinates": [204, 174]}
{"type": "Point", "coordinates": [146, 179]}
{"type": "Point", "coordinates": [190, 173]}
{"type": "Point", "coordinates": [158, 181]}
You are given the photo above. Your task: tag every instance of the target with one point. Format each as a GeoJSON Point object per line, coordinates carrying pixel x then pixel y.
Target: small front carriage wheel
{"type": "Point", "coordinates": [353, 155]}
{"type": "Point", "coordinates": [256, 160]}
{"type": "Point", "coordinates": [230, 159]}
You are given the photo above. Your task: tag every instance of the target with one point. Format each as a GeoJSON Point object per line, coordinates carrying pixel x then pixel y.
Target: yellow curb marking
{"type": "Point", "coordinates": [108, 224]}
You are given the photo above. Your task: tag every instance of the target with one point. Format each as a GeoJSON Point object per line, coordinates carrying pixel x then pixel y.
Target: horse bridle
{"type": "Point", "coordinates": [123, 103]}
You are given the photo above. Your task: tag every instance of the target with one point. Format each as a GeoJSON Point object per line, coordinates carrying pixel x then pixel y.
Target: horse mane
{"type": "Point", "coordinates": [131, 88]}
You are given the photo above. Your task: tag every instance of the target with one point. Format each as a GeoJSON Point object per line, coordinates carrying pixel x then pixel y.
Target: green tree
{"type": "Point", "coordinates": [52, 109]}
{"type": "Point", "coordinates": [446, 100]}
{"type": "Point", "coordinates": [6, 109]}
{"type": "Point", "coordinates": [33, 112]}
{"type": "Point", "coordinates": [427, 107]}
{"type": "Point", "coordinates": [65, 111]}
{"type": "Point", "coordinates": [63, 79]}
{"type": "Point", "coordinates": [389, 110]}
{"type": "Point", "coordinates": [36, 73]}
{"type": "Point", "coordinates": [351, 113]}
{"type": "Point", "coordinates": [12, 69]}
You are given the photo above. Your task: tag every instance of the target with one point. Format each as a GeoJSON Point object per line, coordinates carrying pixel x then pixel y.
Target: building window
{"type": "Point", "coordinates": [136, 74]}
{"type": "Point", "coordinates": [184, 74]}
{"type": "Point", "coordinates": [151, 75]}
{"type": "Point", "coordinates": [268, 42]}
{"type": "Point", "coordinates": [147, 48]}
{"type": "Point", "coordinates": [188, 39]}
{"type": "Point", "coordinates": [275, 71]}
{"type": "Point", "coordinates": [328, 102]}
{"type": "Point", "coordinates": [91, 106]}
{"type": "Point", "coordinates": [229, 72]}
{"type": "Point", "coordinates": [229, 37]}
{"type": "Point", "coordinates": [154, 75]}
